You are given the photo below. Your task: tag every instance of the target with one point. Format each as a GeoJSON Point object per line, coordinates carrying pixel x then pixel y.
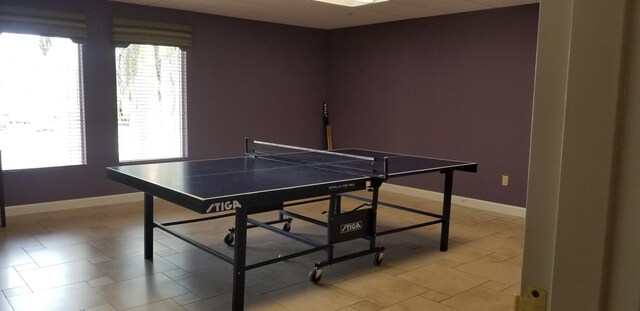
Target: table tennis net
{"type": "Point", "coordinates": [335, 161]}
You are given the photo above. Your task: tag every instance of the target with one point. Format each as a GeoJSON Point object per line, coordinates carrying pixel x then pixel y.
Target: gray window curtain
{"type": "Point", "coordinates": [48, 23]}
{"type": "Point", "coordinates": [133, 31]}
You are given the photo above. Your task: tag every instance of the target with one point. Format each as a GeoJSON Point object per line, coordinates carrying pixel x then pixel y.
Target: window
{"type": "Point", "coordinates": [151, 88]}
{"type": "Point", "coordinates": [41, 102]}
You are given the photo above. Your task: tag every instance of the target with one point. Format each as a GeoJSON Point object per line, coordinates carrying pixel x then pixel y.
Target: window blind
{"type": "Point", "coordinates": [151, 88]}
{"type": "Point", "coordinates": [41, 91]}
{"type": "Point", "coordinates": [42, 22]}
{"type": "Point", "coordinates": [133, 31]}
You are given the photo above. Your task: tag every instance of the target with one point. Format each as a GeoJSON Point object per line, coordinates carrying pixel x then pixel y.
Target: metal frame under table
{"type": "Point", "coordinates": [159, 180]}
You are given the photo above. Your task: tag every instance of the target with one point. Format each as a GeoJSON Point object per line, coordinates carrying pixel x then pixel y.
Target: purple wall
{"type": "Point", "coordinates": [245, 78]}
{"type": "Point", "coordinates": [457, 86]}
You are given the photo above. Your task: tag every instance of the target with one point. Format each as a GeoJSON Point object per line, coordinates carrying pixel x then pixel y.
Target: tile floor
{"type": "Point", "coordinates": [91, 259]}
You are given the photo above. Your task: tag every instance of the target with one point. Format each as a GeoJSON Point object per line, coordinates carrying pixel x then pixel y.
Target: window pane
{"type": "Point", "coordinates": [41, 102]}
{"type": "Point", "coordinates": [151, 85]}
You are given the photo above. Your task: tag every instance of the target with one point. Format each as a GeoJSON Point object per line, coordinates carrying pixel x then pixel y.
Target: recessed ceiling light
{"type": "Point", "coordinates": [351, 3]}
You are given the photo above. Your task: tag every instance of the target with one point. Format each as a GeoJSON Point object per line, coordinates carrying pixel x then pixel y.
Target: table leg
{"type": "Point", "coordinates": [335, 208]}
{"type": "Point", "coordinates": [148, 226]}
{"type": "Point", "coordinates": [375, 187]}
{"type": "Point", "coordinates": [446, 211]}
{"type": "Point", "coordinates": [239, 259]}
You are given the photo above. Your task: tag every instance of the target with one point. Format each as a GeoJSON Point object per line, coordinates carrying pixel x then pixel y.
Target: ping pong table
{"type": "Point", "coordinates": [274, 177]}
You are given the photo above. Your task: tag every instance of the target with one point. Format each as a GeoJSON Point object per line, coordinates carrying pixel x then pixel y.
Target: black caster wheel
{"type": "Point", "coordinates": [229, 238]}
{"type": "Point", "coordinates": [315, 275]}
{"type": "Point", "coordinates": [286, 226]}
{"type": "Point", "coordinates": [377, 259]}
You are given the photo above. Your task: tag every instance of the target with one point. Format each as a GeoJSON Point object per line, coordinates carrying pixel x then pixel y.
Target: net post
{"type": "Point", "coordinates": [385, 167]}
{"type": "Point", "coordinates": [249, 147]}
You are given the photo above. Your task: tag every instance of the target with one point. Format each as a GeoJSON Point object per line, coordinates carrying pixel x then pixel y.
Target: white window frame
{"type": "Point", "coordinates": [46, 128]}
{"type": "Point", "coordinates": [152, 123]}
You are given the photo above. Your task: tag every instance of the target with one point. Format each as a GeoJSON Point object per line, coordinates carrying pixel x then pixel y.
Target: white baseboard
{"type": "Point", "coordinates": [16, 210]}
{"type": "Point", "coordinates": [462, 201]}
{"type": "Point", "coordinates": [138, 197]}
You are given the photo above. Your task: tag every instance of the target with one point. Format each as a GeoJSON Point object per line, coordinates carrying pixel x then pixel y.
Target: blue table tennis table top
{"type": "Point", "coordinates": [198, 184]}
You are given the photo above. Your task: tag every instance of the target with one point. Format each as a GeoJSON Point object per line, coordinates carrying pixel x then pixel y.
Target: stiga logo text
{"type": "Point", "coordinates": [354, 226]}
{"type": "Point", "coordinates": [224, 206]}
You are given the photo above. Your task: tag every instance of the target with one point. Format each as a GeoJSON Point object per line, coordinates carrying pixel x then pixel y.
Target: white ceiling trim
{"type": "Point", "coordinates": [308, 13]}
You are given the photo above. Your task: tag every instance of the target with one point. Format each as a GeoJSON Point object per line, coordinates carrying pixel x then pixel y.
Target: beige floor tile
{"type": "Point", "coordinates": [62, 254]}
{"type": "Point", "coordinates": [393, 271]}
{"type": "Point", "coordinates": [121, 221]}
{"type": "Point", "coordinates": [499, 257]}
{"type": "Point", "coordinates": [4, 304]}
{"type": "Point", "coordinates": [491, 269]}
{"type": "Point", "coordinates": [380, 288]}
{"type": "Point", "coordinates": [66, 236]}
{"type": "Point", "coordinates": [175, 273]}
{"type": "Point", "coordinates": [513, 290]}
{"type": "Point", "coordinates": [366, 305]}
{"type": "Point", "coordinates": [78, 296]}
{"type": "Point", "coordinates": [481, 299]}
{"type": "Point", "coordinates": [252, 302]}
{"type": "Point", "coordinates": [186, 299]}
{"type": "Point", "coordinates": [104, 307]}
{"type": "Point", "coordinates": [505, 247]}
{"type": "Point", "coordinates": [100, 282]}
{"type": "Point", "coordinates": [472, 217]}
{"type": "Point", "coordinates": [409, 259]}
{"type": "Point", "coordinates": [14, 257]}
{"type": "Point", "coordinates": [120, 232]}
{"type": "Point", "coordinates": [496, 285]}
{"type": "Point", "coordinates": [140, 291]}
{"type": "Point", "coordinates": [469, 232]}
{"type": "Point", "coordinates": [309, 296]}
{"type": "Point", "coordinates": [194, 260]}
{"type": "Point", "coordinates": [503, 227]}
{"type": "Point", "coordinates": [10, 242]}
{"type": "Point", "coordinates": [427, 238]}
{"type": "Point", "coordinates": [17, 291]}
{"type": "Point", "coordinates": [104, 247]}
{"type": "Point", "coordinates": [445, 280]}
{"type": "Point", "coordinates": [59, 275]}
{"type": "Point", "coordinates": [283, 274]}
{"type": "Point", "coordinates": [435, 296]}
{"type": "Point", "coordinates": [462, 253]}
{"type": "Point", "coordinates": [134, 267]}
{"type": "Point", "coordinates": [9, 278]}
{"type": "Point", "coordinates": [67, 223]}
{"type": "Point", "coordinates": [201, 285]}
{"type": "Point", "coordinates": [517, 260]}
{"type": "Point", "coordinates": [418, 304]}
{"type": "Point", "coordinates": [76, 213]}
{"type": "Point", "coordinates": [119, 248]}
{"type": "Point", "coordinates": [448, 263]}
{"type": "Point", "coordinates": [25, 267]}
{"type": "Point", "coordinates": [164, 305]}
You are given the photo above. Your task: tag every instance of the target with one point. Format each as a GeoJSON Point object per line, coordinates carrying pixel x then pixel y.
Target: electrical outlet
{"type": "Point", "coordinates": [505, 180]}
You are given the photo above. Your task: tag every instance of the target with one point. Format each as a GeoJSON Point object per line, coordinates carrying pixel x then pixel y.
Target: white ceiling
{"type": "Point", "coordinates": [314, 14]}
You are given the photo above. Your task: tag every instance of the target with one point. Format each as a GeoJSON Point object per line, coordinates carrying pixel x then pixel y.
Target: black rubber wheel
{"type": "Point", "coordinates": [315, 275]}
{"type": "Point", "coordinates": [286, 226]}
{"type": "Point", "coordinates": [377, 259]}
{"type": "Point", "coordinates": [229, 238]}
